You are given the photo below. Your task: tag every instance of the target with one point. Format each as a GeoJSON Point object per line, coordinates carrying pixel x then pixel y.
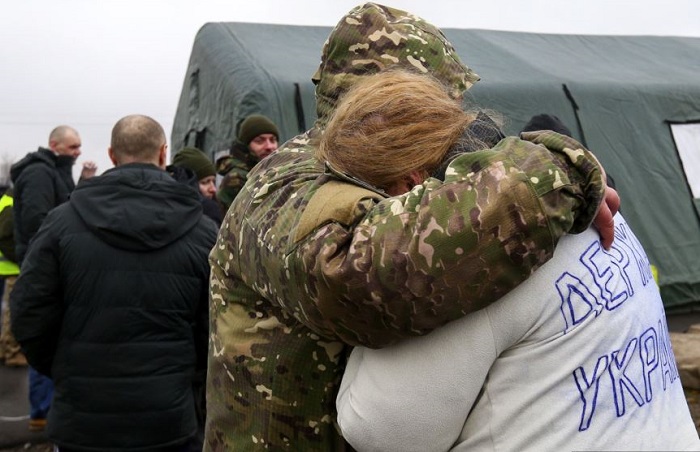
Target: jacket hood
{"type": "Point", "coordinates": [373, 37]}
{"type": "Point", "coordinates": [137, 207]}
{"type": "Point", "coordinates": [183, 175]}
{"type": "Point", "coordinates": [42, 155]}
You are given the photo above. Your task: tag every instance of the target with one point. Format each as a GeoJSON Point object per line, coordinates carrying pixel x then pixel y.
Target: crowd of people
{"type": "Point", "coordinates": [129, 249]}
{"type": "Point", "coordinates": [402, 276]}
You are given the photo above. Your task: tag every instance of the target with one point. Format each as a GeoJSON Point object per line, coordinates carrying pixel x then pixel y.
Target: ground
{"type": "Point", "coordinates": [693, 397]}
{"type": "Point", "coordinates": [46, 447]}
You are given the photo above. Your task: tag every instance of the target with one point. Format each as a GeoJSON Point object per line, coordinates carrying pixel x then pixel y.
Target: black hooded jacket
{"type": "Point", "coordinates": [112, 303]}
{"type": "Point", "coordinates": [186, 176]}
{"type": "Point", "coordinates": [42, 180]}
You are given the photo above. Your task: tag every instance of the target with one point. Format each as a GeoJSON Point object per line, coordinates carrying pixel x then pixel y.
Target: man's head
{"type": "Point", "coordinates": [138, 139]}
{"type": "Point", "coordinates": [259, 134]}
{"type": "Point", "coordinates": [408, 120]}
{"type": "Point", "coordinates": [64, 140]}
{"type": "Point", "coordinates": [373, 37]}
{"type": "Point", "coordinates": [545, 121]}
{"type": "Point", "coordinates": [196, 161]}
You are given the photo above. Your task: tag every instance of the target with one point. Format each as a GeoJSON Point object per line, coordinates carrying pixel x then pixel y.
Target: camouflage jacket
{"type": "Point", "coordinates": [285, 298]}
{"type": "Point", "coordinates": [235, 175]}
{"type": "Point", "coordinates": [308, 263]}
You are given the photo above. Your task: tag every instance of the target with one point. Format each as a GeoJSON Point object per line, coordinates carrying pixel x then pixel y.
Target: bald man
{"type": "Point", "coordinates": [43, 180]}
{"type": "Point", "coordinates": [112, 300]}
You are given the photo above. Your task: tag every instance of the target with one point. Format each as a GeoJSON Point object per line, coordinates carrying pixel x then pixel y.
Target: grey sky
{"type": "Point", "coordinates": [87, 63]}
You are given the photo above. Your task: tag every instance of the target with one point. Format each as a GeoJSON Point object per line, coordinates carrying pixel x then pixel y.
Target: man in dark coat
{"type": "Point", "coordinates": [112, 302]}
{"type": "Point", "coordinates": [43, 180]}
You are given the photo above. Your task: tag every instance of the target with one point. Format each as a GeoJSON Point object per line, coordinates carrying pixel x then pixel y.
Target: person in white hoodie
{"type": "Point", "coordinates": [577, 357]}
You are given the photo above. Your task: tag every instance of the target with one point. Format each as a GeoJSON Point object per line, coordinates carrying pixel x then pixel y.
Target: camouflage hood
{"type": "Point", "coordinates": [373, 37]}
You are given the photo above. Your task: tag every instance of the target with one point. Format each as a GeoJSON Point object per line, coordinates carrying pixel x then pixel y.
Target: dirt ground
{"type": "Point", "coordinates": [692, 396]}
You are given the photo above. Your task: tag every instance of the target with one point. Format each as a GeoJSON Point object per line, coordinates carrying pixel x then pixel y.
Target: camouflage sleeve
{"type": "Point", "coordinates": [231, 185]}
{"type": "Point", "coordinates": [441, 251]}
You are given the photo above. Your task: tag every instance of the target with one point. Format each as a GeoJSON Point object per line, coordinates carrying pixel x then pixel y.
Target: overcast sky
{"type": "Point", "coordinates": [87, 63]}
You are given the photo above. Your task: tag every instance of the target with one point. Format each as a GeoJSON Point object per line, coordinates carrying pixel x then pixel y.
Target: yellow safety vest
{"type": "Point", "coordinates": [7, 267]}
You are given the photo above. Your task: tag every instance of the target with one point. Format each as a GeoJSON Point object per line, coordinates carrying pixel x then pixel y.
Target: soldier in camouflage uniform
{"type": "Point", "coordinates": [257, 138]}
{"type": "Point", "coordinates": [308, 262]}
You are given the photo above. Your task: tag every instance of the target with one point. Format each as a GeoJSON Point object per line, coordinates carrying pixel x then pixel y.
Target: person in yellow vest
{"type": "Point", "coordinates": [9, 348]}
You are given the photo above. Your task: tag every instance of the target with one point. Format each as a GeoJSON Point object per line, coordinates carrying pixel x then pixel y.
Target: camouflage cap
{"type": "Point", "coordinates": [373, 37]}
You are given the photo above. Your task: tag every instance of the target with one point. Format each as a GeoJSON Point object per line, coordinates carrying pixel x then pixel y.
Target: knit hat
{"type": "Point", "coordinates": [546, 122]}
{"type": "Point", "coordinates": [255, 125]}
{"type": "Point", "coordinates": [195, 160]}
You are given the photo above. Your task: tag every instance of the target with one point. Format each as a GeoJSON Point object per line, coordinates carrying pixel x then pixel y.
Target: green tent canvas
{"type": "Point", "coordinates": [622, 96]}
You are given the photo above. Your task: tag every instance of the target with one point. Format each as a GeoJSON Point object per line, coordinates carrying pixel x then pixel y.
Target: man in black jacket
{"type": "Point", "coordinates": [43, 180]}
{"type": "Point", "coordinates": [112, 302]}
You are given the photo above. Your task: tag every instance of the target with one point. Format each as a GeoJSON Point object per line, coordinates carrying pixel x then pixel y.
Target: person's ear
{"type": "Point", "coordinates": [406, 183]}
{"type": "Point", "coordinates": [415, 177]}
{"type": "Point", "coordinates": [110, 153]}
{"type": "Point", "coordinates": [163, 156]}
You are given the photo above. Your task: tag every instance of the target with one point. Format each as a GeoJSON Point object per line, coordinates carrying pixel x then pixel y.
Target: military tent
{"type": "Point", "coordinates": [633, 100]}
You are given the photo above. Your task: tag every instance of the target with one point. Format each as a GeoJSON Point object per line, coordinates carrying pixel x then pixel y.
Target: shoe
{"type": "Point", "coordinates": [37, 425]}
{"type": "Point", "coordinates": [18, 360]}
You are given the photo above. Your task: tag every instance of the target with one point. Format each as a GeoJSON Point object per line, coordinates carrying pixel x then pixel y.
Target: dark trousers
{"type": "Point", "coordinates": [181, 448]}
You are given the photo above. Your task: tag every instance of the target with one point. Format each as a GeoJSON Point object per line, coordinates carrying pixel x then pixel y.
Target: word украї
{"type": "Point", "coordinates": [630, 373]}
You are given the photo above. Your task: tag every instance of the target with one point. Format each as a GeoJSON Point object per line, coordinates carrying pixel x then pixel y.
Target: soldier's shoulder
{"type": "Point", "coordinates": [231, 164]}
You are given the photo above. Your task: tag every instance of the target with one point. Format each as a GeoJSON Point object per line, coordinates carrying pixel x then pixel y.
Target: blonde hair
{"type": "Point", "coordinates": [391, 123]}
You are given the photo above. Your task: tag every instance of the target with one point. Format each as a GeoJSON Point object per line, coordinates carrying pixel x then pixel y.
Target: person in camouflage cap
{"type": "Point", "coordinates": [257, 138]}
{"type": "Point", "coordinates": [309, 261]}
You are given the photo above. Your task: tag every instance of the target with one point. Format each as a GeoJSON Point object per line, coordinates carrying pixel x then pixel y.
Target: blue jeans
{"type": "Point", "coordinates": [40, 394]}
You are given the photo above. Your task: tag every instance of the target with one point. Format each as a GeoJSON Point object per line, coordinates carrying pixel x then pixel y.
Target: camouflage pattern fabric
{"type": "Point", "coordinates": [235, 174]}
{"type": "Point", "coordinates": [373, 37]}
{"type": "Point", "coordinates": [285, 306]}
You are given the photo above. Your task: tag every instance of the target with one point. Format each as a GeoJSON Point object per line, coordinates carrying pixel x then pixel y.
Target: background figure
{"type": "Point", "coordinates": [309, 259]}
{"type": "Point", "coordinates": [576, 357]}
{"type": "Point", "coordinates": [111, 301]}
{"type": "Point", "coordinates": [200, 173]}
{"type": "Point", "coordinates": [42, 180]}
{"type": "Point", "coordinates": [257, 139]}
{"type": "Point", "coordinates": [10, 350]}
{"type": "Point", "coordinates": [544, 121]}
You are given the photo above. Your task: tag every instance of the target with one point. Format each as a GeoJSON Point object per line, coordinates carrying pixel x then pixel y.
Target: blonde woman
{"type": "Point", "coordinates": [402, 134]}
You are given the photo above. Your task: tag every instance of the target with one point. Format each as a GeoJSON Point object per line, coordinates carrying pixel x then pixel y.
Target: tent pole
{"type": "Point", "coordinates": [578, 119]}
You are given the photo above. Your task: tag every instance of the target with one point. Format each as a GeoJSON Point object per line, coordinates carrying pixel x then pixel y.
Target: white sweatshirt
{"type": "Point", "coordinates": [576, 358]}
